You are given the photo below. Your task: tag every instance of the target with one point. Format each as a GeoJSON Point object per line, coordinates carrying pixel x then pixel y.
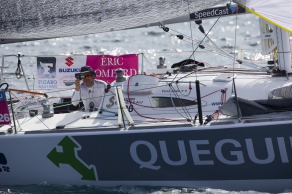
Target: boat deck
{"type": "Point", "coordinates": [86, 121]}
{"type": "Point", "coordinates": [79, 121]}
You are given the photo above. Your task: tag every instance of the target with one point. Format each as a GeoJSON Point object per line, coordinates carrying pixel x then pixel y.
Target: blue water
{"type": "Point", "coordinates": [154, 43]}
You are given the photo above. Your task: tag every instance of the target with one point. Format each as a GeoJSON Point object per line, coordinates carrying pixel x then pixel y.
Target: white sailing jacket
{"type": "Point", "coordinates": [87, 95]}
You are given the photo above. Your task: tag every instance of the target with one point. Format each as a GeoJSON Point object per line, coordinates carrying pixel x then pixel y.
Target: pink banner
{"type": "Point", "coordinates": [4, 112]}
{"type": "Point", "coordinates": [106, 65]}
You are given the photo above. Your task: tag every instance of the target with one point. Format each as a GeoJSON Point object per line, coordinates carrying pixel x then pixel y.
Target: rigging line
{"type": "Point", "coordinates": [227, 55]}
{"type": "Point", "coordinates": [206, 34]}
{"type": "Point", "coordinates": [211, 93]}
{"type": "Point", "coordinates": [190, 22]}
{"type": "Point", "coordinates": [185, 35]}
{"type": "Point", "coordinates": [144, 57]}
{"type": "Point", "coordinates": [42, 122]}
{"type": "Point", "coordinates": [235, 37]}
{"type": "Point", "coordinates": [208, 46]}
{"type": "Point", "coordinates": [215, 47]}
{"type": "Point", "coordinates": [143, 116]}
{"type": "Point", "coordinates": [47, 91]}
{"type": "Point", "coordinates": [197, 48]}
{"type": "Point", "coordinates": [30, 118]}
{"type": "Point", "coordinates": [52, 91]}
{"type": "Point", "coordinates": [172, 90]}
{"type": "Point", "coordinates": [192, 42]}
{"type": "Point", "coordinates": [205, 50]}
{"type": "Point", "coordinates": [221, 50]}
{"type": "Point", "coordinates": [19, 100]}
{"type": "Point", "coordinates": [183, 39]}
{"type": "Point", "coordinates": [198, 42]}
{"type": "Point", "coordinates": [181, 92]}
{"type": "Point", "coordinates": [137, 90]}
{"type": "Point", "coordinates": [94, 97]}
{"type": "Point", "coordinates": [141, 104]}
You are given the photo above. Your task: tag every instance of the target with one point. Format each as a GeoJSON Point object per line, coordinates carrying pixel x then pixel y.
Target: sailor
{"type": "Point", "coordinates": [90, 91]}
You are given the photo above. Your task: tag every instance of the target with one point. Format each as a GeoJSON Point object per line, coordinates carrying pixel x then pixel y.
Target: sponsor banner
{"type": "Point", "coordinates": [106, 65]}
{"type": "Point", "coordinates": [66, 69]}
{"type": "Point", "coordinates": [59, 72]}
{"type": "Point", "coordinates": [217, 12]}
{"type": "Point", "coordinates": [4, 112]}
{"type": "Point", "coordinates": [46, 73]}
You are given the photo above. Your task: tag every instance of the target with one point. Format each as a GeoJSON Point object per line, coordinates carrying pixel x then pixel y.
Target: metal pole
{"type": "Point", "coordinates": [142, 69]}
{"type": "Point", "coordinates": [12, 111]}
{"type": "Point", "coordinates": [236, 101]}
{"type": "Point", "coordinates": [199, 102]}
{"type": "Point", "coordinates": [121, 108]}
{"type": "Point", "coordinates": [1, 73]}
{"type": "Point", "coordinates": [23, 73]}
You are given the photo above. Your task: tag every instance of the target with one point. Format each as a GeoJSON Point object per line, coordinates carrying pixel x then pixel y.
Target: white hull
{"type": "Point", "coordinates": [152, 135]}
{"type": "Point", "coordinates": [251, 86]}
{"type": "Point", "coordinates": [201, 156]}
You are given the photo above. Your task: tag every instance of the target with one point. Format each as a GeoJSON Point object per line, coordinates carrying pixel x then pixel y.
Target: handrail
{"type": "Point", "coordinates": [28, 92]}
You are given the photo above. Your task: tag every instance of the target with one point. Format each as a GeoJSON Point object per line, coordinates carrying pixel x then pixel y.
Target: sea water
{"type": "Point", "coordinates": [237, 35]}
{"type": "Point", "coordinates": [150, 43]}
{"type": "Point", "coordinates": [52, 189]}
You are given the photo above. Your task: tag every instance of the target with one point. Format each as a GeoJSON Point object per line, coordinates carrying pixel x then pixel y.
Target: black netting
{"type": "Point", "coordinates": [37, 19]}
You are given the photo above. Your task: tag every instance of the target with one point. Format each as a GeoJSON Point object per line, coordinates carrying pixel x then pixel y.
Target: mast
{"type": "Point", "coordinates": [284, 50]}
{"type": "Point", "coordinates": [276, 40]}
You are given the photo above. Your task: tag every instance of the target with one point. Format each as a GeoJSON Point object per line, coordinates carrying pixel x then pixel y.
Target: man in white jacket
{"type": "Point", "coordinates": [90, 91]}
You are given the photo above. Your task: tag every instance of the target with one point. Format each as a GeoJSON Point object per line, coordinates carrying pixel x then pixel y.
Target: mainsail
{"type": "Point", "coordinates": [41, 19]}
{"type": "Point", "coordinates": [277, 12]}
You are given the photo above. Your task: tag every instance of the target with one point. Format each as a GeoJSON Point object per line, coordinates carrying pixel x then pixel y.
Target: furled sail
{"type": "Point", "coordinates": [40, 19]}
{"type": "Point", "coordinates": [277, 12]}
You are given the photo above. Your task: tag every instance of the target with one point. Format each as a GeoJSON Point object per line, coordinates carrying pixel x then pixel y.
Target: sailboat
{"type": "Point", "coordinates": [155, 130]}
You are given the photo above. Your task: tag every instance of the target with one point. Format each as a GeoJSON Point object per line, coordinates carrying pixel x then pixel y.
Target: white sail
{"type": "Point", "coordinates": [39, 19]}
{"type": "Point", "coordinates": [277, 12]}
{"type": "Point", "coordinates": [268, 37]}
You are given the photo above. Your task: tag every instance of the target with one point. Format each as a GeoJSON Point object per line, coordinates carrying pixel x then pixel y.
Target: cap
{"type": "Point", "coordinates": [86, 68]}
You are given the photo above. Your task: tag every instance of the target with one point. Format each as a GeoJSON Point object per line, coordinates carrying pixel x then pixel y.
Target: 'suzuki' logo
{"type": "Point", "coordinates": [69, 61]}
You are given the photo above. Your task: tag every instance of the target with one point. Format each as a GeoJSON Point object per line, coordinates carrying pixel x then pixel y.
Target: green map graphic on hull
{"type": "Point", "coordinates": [68, 157]}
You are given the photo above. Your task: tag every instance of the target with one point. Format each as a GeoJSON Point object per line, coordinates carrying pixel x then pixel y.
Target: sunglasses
{"type": "Point", "coordinates": [86, 77]}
